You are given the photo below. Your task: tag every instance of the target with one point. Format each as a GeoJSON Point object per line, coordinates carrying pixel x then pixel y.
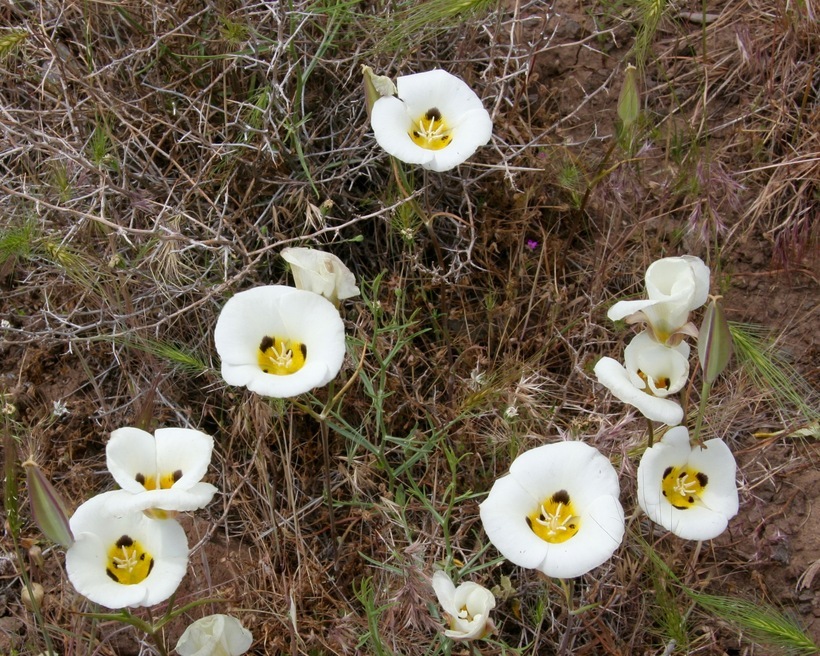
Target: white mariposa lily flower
{"type": "Point", "coordinates": [557, 510]}
{"type": "Point", "coordinates": [652, 372]}
{"type": "Point", "coordinates": [279, 341]}
{"type": "Point", "coordinates": [436, 121]}
{"type": "Point", "coordinates": [321, 273]}
{"type": "Point", "coordinates": [675, 286]}
{"type": "Point", "coordinates": [161, 473]}
{"type": "Point", "coordinates": [126, 561]}
{"type": "Point", "coordinates": [467, 607]}
{"type": "Point", "coordinates": [690, 491]}
{"type": "Point", "coordinates": [215, 635]}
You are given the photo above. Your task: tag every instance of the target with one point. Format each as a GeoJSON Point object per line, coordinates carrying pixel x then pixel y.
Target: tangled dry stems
{"type": "Point", "coordinates": [157, 157]}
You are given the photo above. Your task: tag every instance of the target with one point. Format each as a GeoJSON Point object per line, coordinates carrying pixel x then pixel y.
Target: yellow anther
{"type": "Point", "coordinates": [430, 131]}
{"type": "Point", "coordinates": [555, 520]}
{"type": "Point", "coordinates": [281, 357]}
{"type": "Point", "coordinates": [682, 487]}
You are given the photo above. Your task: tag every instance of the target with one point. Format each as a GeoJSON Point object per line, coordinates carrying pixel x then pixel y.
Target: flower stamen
{"type": "Point", "coordinates": [683, 487]}
{"type": "Point", "coordinates": [430, 131]}
{"type": "Point", "coordinates": [555, 520]}
{"type": "Point", "coordinates": [128, 563]}
{"type": "Point", "coordinates": [281, 357]}
{"type": "Point", "coordinates": [660, 383]}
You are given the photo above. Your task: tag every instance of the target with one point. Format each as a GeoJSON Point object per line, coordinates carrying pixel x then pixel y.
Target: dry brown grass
{"type": "Point", "coordinates": [156, 157]}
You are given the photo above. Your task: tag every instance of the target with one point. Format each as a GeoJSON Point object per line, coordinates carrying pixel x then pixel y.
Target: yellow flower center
{"type": "Point", "coordinates": [281, 357]}
{"type": "Point", "coordinates": [555, 520]}
{"type": "Point", "coordinates": [682, 486]}
{"type": "Point", "coordinates": [464, 614]}
{"type": "Point", "coordinates": [430, 131]}
{"type": "Point", "coordinates": [660, 383]}
{"type": "Point", "coordinates": [128, 562]}
{"type": "Point", "coordinates": [161, 482]}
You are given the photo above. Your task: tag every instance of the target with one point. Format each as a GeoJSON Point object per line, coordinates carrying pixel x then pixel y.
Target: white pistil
{"type": "Point", "coordinates": [554, 523]}
{"type": "Point", "coordinates": [281, 358]}
{"type": "Point", "coordinates": [129, 561]}
{"type": "Point", "coordinates": [430, 132]}
{"type": "Point", "coordinates": [685, 486]}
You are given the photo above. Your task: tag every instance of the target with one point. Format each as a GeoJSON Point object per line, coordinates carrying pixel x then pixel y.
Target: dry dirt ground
{"type": "Point", "coordinates": [560, 106]}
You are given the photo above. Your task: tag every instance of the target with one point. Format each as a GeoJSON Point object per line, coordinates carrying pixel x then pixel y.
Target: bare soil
{"type": "Point", "coordinates": [563, 107]}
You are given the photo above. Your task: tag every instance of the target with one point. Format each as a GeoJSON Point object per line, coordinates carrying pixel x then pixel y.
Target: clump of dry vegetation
{"type": "Point", "coordinates": [155, 159]}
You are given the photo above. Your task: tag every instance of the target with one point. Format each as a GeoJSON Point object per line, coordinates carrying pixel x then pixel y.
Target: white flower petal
{"type": "Point", "coordinates": [468, 606]}
{"type": "Point", "coordinates": [591, 486]}
{"type": "Point", "coordinates": [214, 635]}
{"type": "Point", "coordinates": [658, 362]}
{"type": "Point", "coordinates": [445, 592]}
{"type": "Point", "coordinates": [504, 516]}
{"type": "Point", "coordinates": [670, 279]}
{"type": "Point", "coordinates": [675, 286]}
{"type": "Point", "coordinates": [245, 319]}
{"type": "Point", "coordinates": [393, 119]}
{"type": "Point", "coordinates": [310, 376]}
{"type": "Point", "coordinates": [696, 523]}
{"type": "Point", "coordinates": [285, 313]}
{"type": "Point", "coordinates": [677, 279]}
{"type": "Point", "coordinates": [702, 276]}
{"type": "Point", "coordinates": [718, 503]}
{"type": "Point", "coordinates": [469, 631]}
{"type": "Point", "coordinates": [475, 598]}
{"type": "Point", "coordinates": [624, 309]}
{"type": "Point", "coordinates": [130, 451]}
{"type": "Point", "coordinates": [437, 88]}
{"type": "Point", "coordinates": [321, 273]}
{"type": "Point", "coordinates": [600, 534]}
{"type": "Point", "coordinates": [715, 459]}
{"type": "Point", "coordinates": [391, 125]}
{"type": "Point", "coordinates": [185, 450]}
{"type": "Point", "coordinates": [96, 531]}
{"type": "Point", "coordinates": [239, 375]}
{"type": "Point", "coordinates": [172, 499]}
{"type": "Point", "coordinates": [574, 466]}
{"type": "Point", "coordinates": [615, 377]}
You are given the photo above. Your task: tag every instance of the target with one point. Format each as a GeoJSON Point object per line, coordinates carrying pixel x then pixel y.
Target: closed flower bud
{"type": "Point", "coordinates": [33, 599]}
{"type": "Point", "coordinates": [714, 342]}
{"type": "Point", "coordinates": [47, 507]}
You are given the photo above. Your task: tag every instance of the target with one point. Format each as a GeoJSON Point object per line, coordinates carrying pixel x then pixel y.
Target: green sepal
{"type": "Point", "coordinates": [375, 87]}
{"type": "Point", "coordinates": [714, 342]}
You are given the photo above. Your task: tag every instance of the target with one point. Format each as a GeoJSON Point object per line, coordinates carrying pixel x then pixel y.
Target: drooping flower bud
{"type": "Point", "coordinates": [47, 506]}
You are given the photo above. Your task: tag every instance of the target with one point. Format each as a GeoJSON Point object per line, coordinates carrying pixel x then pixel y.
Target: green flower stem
{"type": "Point", "coordinates": [650, 433]}
{"type": "Point", "coordinates": [427, 217]}
{"type": "Point", "coordinates": [126, 617]}
{"type": "Point", "coordinates": [328, 486]}
{"type": "Point", "coordinates": [150, 628]}
{"type": "Point", "coordinates": [704, 397]}
{"type": "Point", "coordinates": [335, 399]}
{"type": "Point", "coordinates": [322, 418]}
{"type": "Point", "coordinates": [568, 586]}
{"type": "Point", "coordinates": [11, 500]}
{"type": "Point", "coordinates": [172, 614]}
